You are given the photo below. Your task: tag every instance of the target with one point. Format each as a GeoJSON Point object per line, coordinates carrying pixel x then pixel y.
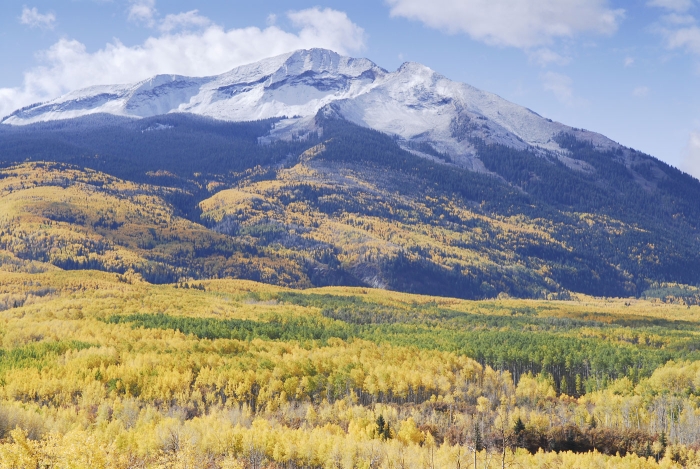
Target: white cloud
{"type": "Point", "coordinates": [545, 56]}
{"type": "Point", "coordinates": [629, 61]}
{"type": "Point", "coordinates": [68, 65]}
{"type": "Point", "coordinates": [184, 21]}
{"type": "Point", "coordinates": [517, 23]}
{"type": "Point", "coordinates": [332, 25]}
{"type": "Point", "coordinates": [684, 38]}
{"type": "Point", "coordinates": [679, 29]}
{"type": "Point", "coordinates": [674, 5]}
{"type": "Point", "coordinates": [676, 19]}
{"type": "Point", "coordinates": [32, 18]}
{"type": "Point", "coordinates": [561, 86]}
{"type": "Point", "coordinates": [691, 157]}
{"type": "Point", "coordinates": [641, 91]}
{"type": "Point", "coordinates": [143, 11]}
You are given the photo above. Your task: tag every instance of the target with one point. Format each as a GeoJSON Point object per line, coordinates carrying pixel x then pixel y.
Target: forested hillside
{"type": "Point", "coordinates": [81, 219]}
{"type": "Point", "coordinates": [102, 370]}
{"type": "Point", "coordinates": [181, 197]}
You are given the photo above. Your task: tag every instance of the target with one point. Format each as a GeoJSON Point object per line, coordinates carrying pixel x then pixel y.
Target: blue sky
{"type": "Point", "coordinates": [629, 70]}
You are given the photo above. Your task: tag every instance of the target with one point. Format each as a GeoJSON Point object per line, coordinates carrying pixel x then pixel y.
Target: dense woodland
{"type": "Point", "coordinates": [348, 206]}
{"type": "Point", "coordinates": [105, 370]}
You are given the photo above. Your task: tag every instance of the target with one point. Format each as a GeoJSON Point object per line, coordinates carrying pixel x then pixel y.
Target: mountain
{"type": "Point", "coordinates": [414, 103]}
{"type": "Point", "coordinates": [313, 169]}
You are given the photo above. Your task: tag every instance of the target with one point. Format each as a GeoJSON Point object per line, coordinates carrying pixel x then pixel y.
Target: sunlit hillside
{"type": "Point", "coordinates": [79, 219]}
{"type": "Point", "coordinates": [397, 232]}
{"type": "Point", "coordinates": [199, 199]}
{"type": "Point", "coordinates": [106, 370]}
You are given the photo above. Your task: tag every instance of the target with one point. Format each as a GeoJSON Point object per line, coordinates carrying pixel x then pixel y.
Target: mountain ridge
{"type": "Point", "coordinates": [414, 103]}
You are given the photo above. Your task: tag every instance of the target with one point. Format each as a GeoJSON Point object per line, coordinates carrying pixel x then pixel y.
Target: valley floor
{"type": "Point", "coordinates": [106, 370]}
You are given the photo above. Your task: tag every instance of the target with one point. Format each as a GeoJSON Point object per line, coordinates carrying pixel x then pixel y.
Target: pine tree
{"type": "Point", "coordinates": [563, 386]}
{"type": "Point", "coordinates": [478, 440]}
{"type": "Point", "coordinates": [519, 429]}
{"type": "Point", "coordinates": [592, 424]}
{"type": "Point", "coordinates": [579, 385]}
{"type": "Point", "coordinates": [381, 427]}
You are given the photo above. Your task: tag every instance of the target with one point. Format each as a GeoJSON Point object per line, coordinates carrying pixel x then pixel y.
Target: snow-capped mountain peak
{"type": "Point", "coordinates": [414, 103]}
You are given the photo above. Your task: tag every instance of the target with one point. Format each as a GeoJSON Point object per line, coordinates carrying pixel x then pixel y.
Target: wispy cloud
{"type": "Point", "coordinates": [629, 61]}
{"type": "Point", "coordinates": [641, 91]}
{"type": "Point", "coordinates": [187, 20]}
{"type": "Point", "coordinates": [143, 11]}
{"type": "Point", "coordinates": [524, 23]}
{"type": "Point", "coordinates": [678, 28]}
{"type": "Point", "coordinates": [673, 5]}
{"type": "Point", "coordinates": [684, 38]}
{"type": "Point", "coordinates": [32, 18]}
{"type": "Point", "coordinates": [691, 157]}
{"type": "Point", "coordinates": [560, 85]}
{"type": "Point", "coordinates": [676, 19]}
{"type": "Point", "coordinates": [545, 56]}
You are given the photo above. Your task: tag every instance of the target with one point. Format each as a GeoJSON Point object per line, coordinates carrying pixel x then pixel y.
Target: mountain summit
{"type": "Point", "coordinates": [414, 103]}
{"type": "Point", "coordinates": [296, 83]}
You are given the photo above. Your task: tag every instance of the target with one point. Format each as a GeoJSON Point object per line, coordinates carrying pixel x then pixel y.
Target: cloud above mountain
{"type": "Point", "coordinates": [32, 18]}
{"type": "Point", "coordinates": [691, 162]}
{"type": "Point", "coordinates": [516, 23]}
{"type": "Point", "coordinates": [187, 20]}
{"type": "Point", "coordinates": [679, 28]}
{"type": "Point", "coordinates": [186, 44]}
{"type": "Point", "coordinates": [674, 5]}
{"type": "Point", "coordinates": [143, 11]}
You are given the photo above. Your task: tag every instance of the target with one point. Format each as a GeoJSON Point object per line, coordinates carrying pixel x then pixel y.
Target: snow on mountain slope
{"type": "Point", "coordinates": [414, 103]}
{"type": "Point", "coordinates": [298, 83]}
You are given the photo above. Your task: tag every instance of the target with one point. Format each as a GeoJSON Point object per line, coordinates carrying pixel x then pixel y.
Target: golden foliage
{"type": "Point", "coordinates": [158, 398]}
